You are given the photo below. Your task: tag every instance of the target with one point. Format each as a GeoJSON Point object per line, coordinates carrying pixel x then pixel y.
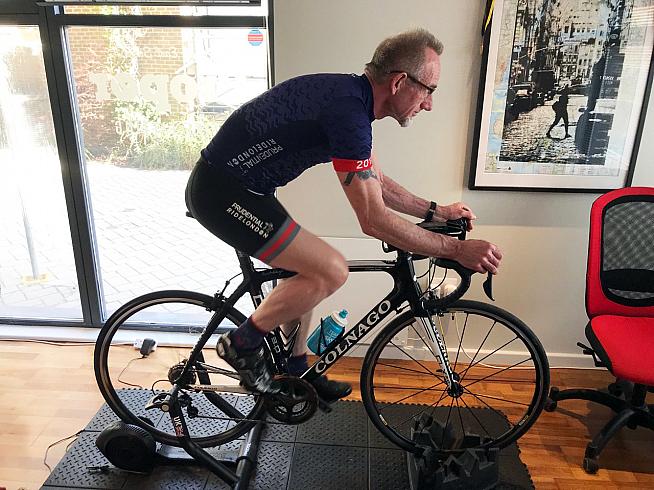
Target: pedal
{"type": "Point", "coordinates": [160, 401]}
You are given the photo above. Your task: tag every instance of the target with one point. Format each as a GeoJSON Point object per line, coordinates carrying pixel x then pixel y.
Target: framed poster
{"type": "Point", "coordinates": [563, 94]}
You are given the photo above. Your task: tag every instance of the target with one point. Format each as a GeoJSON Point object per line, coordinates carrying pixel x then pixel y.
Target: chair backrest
{"type": "Point", "coordinates": [620, 271]}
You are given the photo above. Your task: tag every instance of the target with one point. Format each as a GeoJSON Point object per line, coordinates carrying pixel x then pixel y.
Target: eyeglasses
{"type": "Point", "coordinates": [430, 90]}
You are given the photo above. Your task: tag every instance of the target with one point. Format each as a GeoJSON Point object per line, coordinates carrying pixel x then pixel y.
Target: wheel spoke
{"type": "Point", "coordinates": [447, 422]}
{"type": "Point", "coordinates": [423, 340]}
{"type": "Point", "coordinates": [486, 357]}
{"type": "Point", "coordinates": [443, 393]}
{"type": "Point", "coordinates": [393, 387]}
{"type": "Point", "coordinates": [416, 393]}
{"type": "Point", "coordinates": [497, 398]}
{"type": "Point", "coordinates": [498, 372]}
{"type": "Point", "coordinates": [479, 348]}
{"type": "Point", "coordinates": [413, 359]}
{"type": "Point", "coordinates": [472, 412]}
{"type": "Point", "coordinates": [463, 430]}
{"type": "Point", "coordinates": [415, 416]}
{"type": "Point", "coordinates": [458, 350]}
{"type": "Point", "coordinates": [403, 368]}
{"type": "Point", "coordinates": [482, 401]}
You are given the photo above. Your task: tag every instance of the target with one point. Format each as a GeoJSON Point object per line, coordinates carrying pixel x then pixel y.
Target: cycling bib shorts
{"type": "Point", "coordinates": [257, 225]}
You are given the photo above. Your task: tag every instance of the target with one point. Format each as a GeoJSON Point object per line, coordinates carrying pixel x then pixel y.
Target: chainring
{"type": "Point", "coordinates": [296, 402]}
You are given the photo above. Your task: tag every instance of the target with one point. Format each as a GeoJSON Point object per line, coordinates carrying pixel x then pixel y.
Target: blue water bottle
{"type": "Point", "coordinates": [328, 331]}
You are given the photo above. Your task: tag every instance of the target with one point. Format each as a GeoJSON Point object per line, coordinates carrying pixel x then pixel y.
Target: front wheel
{"type": "Point", "coordinates": [500, 368]}
{"type": "Point", "coordinates": [128, 380]}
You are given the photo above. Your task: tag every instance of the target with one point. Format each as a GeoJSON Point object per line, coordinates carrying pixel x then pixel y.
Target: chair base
{"type": "Point", "coordinates": [629, 404]}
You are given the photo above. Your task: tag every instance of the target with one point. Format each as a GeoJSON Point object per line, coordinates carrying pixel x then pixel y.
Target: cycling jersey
{"type": "Point", "coordinates": [297, 124]}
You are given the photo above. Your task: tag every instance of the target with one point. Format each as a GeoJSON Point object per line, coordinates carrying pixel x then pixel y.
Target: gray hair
{"type": "Point", "coordinates": [404, 51]}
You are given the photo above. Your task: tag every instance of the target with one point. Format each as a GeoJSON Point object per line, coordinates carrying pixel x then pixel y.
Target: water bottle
{"type": "Point", "coordinates": [327, 332]}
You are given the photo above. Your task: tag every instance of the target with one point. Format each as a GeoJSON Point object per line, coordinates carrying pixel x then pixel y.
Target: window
{"type": "Point", "coordinates": [37, 268]}
{"type": "Point", "coordinates": [150, 98]}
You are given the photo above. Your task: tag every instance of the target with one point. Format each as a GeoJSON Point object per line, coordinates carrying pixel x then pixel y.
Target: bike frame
{"type": "Point", "coordinates": [405, 290]}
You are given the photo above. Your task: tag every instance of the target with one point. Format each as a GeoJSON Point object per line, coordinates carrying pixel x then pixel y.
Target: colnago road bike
{"type": "Point", "coordinates": [434, 355]}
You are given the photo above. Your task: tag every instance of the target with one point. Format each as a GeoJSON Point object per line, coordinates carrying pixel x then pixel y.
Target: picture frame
{"type": "Point", "coordinates": [563, 94]}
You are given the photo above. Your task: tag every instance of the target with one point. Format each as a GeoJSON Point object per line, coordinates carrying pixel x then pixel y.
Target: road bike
{"type": "Point", "coordinates": [430, 354]}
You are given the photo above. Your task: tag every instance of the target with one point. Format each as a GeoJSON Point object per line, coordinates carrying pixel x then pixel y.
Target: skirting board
{"type": "Point", "coordinates": [78, 334]}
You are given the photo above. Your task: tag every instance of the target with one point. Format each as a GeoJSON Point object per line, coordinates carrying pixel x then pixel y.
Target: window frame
{"type": "Point", "coordinates": [52, 21]}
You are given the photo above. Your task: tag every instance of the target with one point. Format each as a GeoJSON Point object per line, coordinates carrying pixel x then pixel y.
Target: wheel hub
{"type": "Point", "coordinates": [456, 390]}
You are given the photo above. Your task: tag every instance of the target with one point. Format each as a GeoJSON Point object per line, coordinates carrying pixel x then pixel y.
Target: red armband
{"type": "Point", "coordinates": [344, 165]}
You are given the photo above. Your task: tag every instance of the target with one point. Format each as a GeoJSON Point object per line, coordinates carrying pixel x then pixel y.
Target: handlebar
{"type": "Point", "coordinates": [455, 228]}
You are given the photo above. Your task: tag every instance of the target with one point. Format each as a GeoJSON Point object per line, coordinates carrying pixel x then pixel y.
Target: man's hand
{"type": "Point", "coordinates": [479, 255]}
{"type": "Point", "coordinates": [455, 211]}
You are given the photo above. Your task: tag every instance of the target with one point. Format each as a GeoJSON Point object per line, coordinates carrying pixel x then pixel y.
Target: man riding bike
{"type": "Point", "coordinates": [295, 125]}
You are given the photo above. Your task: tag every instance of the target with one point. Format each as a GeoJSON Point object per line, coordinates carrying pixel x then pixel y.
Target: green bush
{"type": "Point", "coordinates": [147, 141]}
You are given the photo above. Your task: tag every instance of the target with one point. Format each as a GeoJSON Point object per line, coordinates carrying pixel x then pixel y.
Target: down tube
{"type": "Point", "coordinates": [373, 318]}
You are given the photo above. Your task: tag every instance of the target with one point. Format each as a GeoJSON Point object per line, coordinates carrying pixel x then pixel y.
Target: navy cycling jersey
{"type": "Point", "coordinates": [295, 125]}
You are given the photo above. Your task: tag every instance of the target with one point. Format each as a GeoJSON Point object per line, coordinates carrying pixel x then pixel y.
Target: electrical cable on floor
{"type": "Point", "coordinates": [45, 457]}
{"type": "Point", "coordinates": [125, 369]}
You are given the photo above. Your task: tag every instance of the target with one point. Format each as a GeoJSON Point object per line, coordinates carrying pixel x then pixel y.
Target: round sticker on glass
{"type": "Point", "coordinates": [255, 37]}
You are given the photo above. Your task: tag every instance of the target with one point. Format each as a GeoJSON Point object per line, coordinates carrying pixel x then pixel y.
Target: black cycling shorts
{"type": "Point", "coordinates": [254, 224]}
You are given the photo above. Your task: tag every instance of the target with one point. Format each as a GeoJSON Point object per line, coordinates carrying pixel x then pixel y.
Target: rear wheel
{"type": "Point", "coordinates": [500, 366]}
{"type": "Point", "coordinates": [128, 381]}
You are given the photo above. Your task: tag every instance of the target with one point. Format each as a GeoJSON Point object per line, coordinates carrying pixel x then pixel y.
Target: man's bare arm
{"type": "Point", "coordinates": [401, 200]}
{"type": "Point", "coordinates": [364, 192]}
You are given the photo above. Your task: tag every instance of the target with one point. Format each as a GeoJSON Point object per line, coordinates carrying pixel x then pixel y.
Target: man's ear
{"type": "Point", "coordinates": [396, 82]}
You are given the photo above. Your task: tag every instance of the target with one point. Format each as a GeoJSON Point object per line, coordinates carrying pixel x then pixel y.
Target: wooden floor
{"type": "Point", "coordinates": [48, 392]}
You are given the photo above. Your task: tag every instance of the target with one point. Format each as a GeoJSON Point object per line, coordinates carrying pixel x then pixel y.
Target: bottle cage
{"type": "Point", "coordinates": [322, 340]}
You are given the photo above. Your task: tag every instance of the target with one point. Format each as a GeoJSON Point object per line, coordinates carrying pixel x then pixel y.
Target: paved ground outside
{"type": "Point", "coordinates": [145, 242]}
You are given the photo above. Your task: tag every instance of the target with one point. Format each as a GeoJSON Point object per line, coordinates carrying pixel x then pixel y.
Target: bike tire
{"type": "Point", "coordinates": [529, 380]}
{"type": "Point", "coordinates": [229, 415]}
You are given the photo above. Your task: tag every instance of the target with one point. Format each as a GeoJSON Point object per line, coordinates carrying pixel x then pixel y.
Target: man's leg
{"type": "Point", "coordinates": [321, 270]}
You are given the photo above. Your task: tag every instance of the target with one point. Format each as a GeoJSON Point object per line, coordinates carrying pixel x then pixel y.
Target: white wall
{"type": "Point", "coordinates": [543, 235]}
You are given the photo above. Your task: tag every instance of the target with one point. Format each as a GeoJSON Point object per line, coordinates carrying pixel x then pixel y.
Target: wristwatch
{"type": "Point", "coordinates": [430, 214]}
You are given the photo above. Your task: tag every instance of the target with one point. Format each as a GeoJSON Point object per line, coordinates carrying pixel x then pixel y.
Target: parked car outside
{"type": "Point", "coordinates": [524, 97]}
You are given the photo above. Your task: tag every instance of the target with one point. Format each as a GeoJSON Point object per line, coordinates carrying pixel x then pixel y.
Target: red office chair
{"type": "Point", "coordinates": [620, 305]}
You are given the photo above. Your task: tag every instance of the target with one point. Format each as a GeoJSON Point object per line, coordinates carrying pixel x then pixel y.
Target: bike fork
{"type": "Point", "coordinates": [439, 349]}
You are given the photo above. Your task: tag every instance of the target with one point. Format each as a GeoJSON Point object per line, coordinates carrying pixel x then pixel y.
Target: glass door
{"type": "Point", "coordinates": [149, 99]}
{"type": "Point", "coordinates": [37, 268]}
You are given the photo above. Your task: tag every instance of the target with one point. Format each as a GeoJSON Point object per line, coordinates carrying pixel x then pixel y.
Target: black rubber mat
{"type": "Point", "coordinates": [340, 450]}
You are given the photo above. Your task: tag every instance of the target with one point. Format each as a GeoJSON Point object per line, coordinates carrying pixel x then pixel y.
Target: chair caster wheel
{"type": "Point", "coordinates": [590, 466]}
{"type": "Point", "coordinates": [550, 405]}
{"type": "Point", "coordinates": [615, 389]}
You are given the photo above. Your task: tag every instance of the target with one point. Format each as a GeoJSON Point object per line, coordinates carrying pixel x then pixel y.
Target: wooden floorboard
{"type": "Point", "coordinates": [48, 392]}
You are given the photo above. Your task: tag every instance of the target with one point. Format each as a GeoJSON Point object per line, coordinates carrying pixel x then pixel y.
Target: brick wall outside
{"type": "Point", "coordinates": [95, 51]}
